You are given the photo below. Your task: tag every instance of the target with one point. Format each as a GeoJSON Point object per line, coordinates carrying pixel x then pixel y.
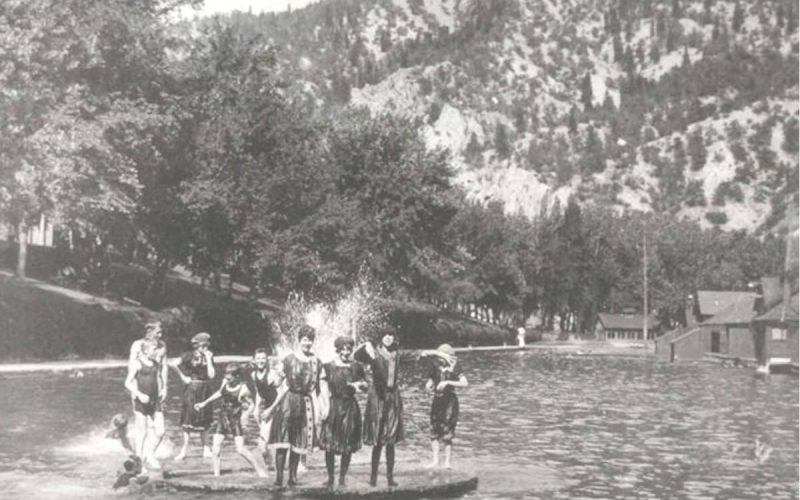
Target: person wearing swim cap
{"type": "Point", "coordinates": [196, 370]}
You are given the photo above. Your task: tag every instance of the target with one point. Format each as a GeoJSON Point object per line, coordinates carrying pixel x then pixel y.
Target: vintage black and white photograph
{"type": "Point", "coordinates": [384, 249]}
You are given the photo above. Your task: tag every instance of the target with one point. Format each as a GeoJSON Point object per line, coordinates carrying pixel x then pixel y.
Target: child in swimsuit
{"type": "Point", "coordinates": [235, 399]}
{"type": "Point", "coordinates": [443, 378]}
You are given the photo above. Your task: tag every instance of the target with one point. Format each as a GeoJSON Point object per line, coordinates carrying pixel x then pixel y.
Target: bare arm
{"type": "Point", "coordinates": [184, 378]}
{"type": "Point", "coordinates": [164, 374]}
{"type": "Point", "coordinates": [210, 369]}
{"type": "Point", "coordinates": [211, 398]}
{"type": "Point", "coordinates": [461, 382]}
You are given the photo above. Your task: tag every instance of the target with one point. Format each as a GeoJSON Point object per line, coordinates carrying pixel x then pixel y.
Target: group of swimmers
{"type": "Point", "coordinates": [299, 403]}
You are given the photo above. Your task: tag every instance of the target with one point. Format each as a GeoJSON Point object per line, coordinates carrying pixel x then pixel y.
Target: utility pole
{"type": "Point", "coordinates": [645, 309]}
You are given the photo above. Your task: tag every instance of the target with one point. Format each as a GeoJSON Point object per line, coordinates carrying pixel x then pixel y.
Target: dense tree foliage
{"type": "Point", "coordinates": [192, 152]}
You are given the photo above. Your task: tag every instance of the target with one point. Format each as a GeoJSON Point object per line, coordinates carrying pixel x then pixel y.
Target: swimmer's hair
{"type": "Point", "coordinates": [152, 330]}
{"type": "Point", "coordinates": [119, 420]}
{"type": "Point", "coordinates": [306, 331]}
{"type": "Point", "coordinates": [258, 351]}
{"type": "Point", "coordinates": [384, 330]}
{"type": "Point", "coordinates": [233, 369]}
{"type": "Point", "coordinates": [341, 342]}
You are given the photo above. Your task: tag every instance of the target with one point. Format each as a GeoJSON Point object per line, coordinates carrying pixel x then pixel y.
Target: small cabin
{"type": "Point", "coordinates": [627, 326]}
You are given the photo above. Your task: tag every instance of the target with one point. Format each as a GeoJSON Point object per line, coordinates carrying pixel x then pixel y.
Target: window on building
{"type": "Point", "coordinates": [639, 335]}
{"type": "Point", "coordinates": [610, 335]}
{"type": "Point", "coordinates": [778, 334]}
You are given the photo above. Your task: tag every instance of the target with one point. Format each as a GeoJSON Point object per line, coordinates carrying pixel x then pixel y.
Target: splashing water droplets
{"type": "Point", "coordinates": [354, 315]}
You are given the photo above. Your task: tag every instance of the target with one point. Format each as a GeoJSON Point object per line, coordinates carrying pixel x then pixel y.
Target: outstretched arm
{"type": "Point", "coordinates": [213, 397]}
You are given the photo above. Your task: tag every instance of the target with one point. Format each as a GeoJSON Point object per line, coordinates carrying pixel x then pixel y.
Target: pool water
{"type": "Point", "coordinates": [533, 425]}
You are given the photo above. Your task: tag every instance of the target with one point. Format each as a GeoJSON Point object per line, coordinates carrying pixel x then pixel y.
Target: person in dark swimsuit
{"type": "Point", "coordinates": [341, 431]}
{"type": "Point", "coordinates": [445, 375]}
{"type": "Point", "coordinates": [235, 399]}
{"type": "Point", "coordinates": [265, 382]}
{"type": "Point", "coordinates": [196, 370]}
{"type": "Point", "coordinates": [296, 418]}
{"type": "Point", "coordinates": [146, 385]}
{"type": "Point", "coordinates": [383, 417]}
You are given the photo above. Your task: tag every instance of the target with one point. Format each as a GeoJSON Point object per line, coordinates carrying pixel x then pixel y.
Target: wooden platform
{"type": "Point", "coordinates": [412, 482]}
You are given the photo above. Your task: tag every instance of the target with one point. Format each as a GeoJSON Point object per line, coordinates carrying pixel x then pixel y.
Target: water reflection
{"type": "Point", "coordinates": [533, 425]}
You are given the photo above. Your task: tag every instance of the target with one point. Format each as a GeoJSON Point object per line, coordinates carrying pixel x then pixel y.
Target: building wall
{"type": "Point", "coordinates": [782, 348]}
{"type": "Point", "coordinates": [692, 346]}
{"type": "Point", "coordinates": [740, 342]}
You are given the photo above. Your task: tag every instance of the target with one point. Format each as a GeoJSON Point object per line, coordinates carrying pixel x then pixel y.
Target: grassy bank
{"type": "Point", "coordinates": [41, 321]}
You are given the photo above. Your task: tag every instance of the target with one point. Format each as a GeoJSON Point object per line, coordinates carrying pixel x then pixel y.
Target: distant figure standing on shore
{"type": "Point", "coordinates": [196, 370]}
{"type": "Point", "coordinates": [383, 417]}
{"type": "Point", "coordinates": [521, 336]}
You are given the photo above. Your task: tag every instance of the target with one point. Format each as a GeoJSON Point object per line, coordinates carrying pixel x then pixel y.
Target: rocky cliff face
{"type": "Point", "coordinates": [683, 106]}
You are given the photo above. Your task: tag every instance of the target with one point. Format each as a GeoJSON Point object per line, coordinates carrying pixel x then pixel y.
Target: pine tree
{"type": "Point", "coordinates": [586, 92]}
{"type": "Point", "coordinates": [572, 124]}
{"type": "Point", "coordinates": [502, 144]}
{"type": "Point", "coordinates": [520, 120]}
{"type": "Point", "coordinates": [655, 53]}
{"type": "Point", "coordinates": [686, 63]}
{"type": "Point", "coordinates": [676, 8]}
{"type": "Point", "coordinates": [608, 103]}
{"type": "Point", "coordinates": [670, 45]}
{"type": "Point", "coordinates": [697, 149]}
{"type": "Point", "coordinates": [707, 5]}
{"type": "Point", "coordinates": [738, 17]}
{"type": "Point", "coordinates": [473, 150]}
{"type": "Point", "coordinates": [593, 158]}
{"type": "Point", "coordinates": [618, 48]}
{"type": "Point", "coordinates": [613, 22]}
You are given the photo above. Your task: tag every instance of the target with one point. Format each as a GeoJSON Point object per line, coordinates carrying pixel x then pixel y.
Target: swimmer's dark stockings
{"type": "Point", "coordinates": [280, 462]}
{"type": "Point", "coordinates": [294, 460]}
{"type": "Point", "coordinates": [376, 459]}
{"type": "Point", "coordinates": [330, 464]}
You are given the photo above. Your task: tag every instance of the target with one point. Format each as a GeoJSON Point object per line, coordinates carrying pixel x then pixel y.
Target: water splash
{"type": "Point", "coordinates": [354, 315]}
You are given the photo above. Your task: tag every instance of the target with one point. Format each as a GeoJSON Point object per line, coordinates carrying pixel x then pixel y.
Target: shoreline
{"type": "Point", "coordinates": [578, 348]}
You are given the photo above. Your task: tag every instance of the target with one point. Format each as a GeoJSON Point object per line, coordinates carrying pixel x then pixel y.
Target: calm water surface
{"type": "Point", "coordinates": [533, 425]}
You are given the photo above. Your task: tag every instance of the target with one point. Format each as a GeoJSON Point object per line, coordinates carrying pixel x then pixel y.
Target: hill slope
{"type": "Point", "coordinates": [685, 106]}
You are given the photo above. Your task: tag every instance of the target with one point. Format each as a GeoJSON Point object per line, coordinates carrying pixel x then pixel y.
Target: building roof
{"type": "Point", "coordinates": [713, 302]}
{"type": "Point", "coordinates": [775, 313]}
{"type": "Point", "coordinates": [738, 313]}
{"type": "Point", "coordinates": [615, 321]}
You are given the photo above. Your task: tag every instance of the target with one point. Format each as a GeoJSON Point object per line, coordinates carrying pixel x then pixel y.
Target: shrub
{"type": "Point", "coordinates": [717, 218]}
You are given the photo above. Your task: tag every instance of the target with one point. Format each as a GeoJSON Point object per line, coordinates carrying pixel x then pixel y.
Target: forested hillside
{"type": "Point", "coordinates": [509, 157]}
{"type": "Point", "coordinates": [689, 107]}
